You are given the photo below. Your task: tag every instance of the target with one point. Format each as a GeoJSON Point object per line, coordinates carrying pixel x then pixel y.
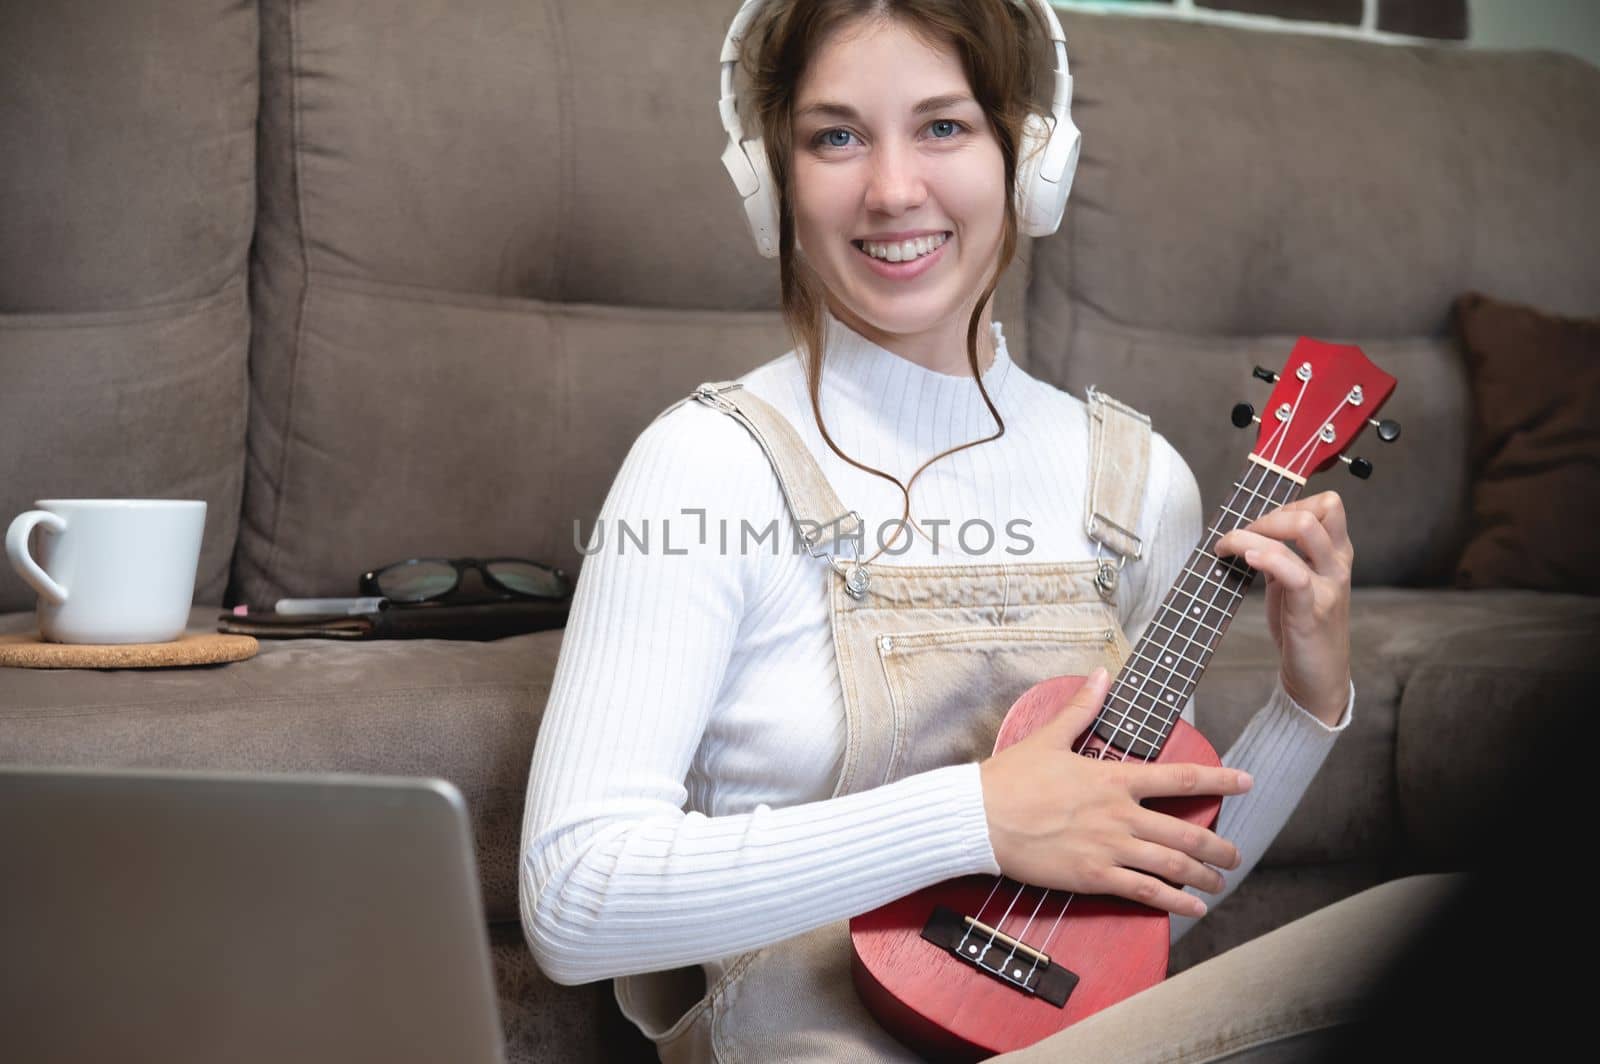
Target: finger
{"type": "Point", "coordinates": [1082, 707]}
{"type": "Point", "coordinates": [1148, 890]}
{"type": "Point", "coordinates": [1174, 866]}
{"type": "Point", "coordinates": [1300, 527]}
{"type": "Point", "coordinates": [1328, 507]}
{"type": "Point", "coordinates": [1161, 781]}
{"type": "Point", "coordinates": [1273, 558]}
{"type": "Point", "coordinates": [1177, 834]}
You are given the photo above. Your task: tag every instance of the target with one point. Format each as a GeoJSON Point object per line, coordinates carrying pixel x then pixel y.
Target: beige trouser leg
{"type": "Point", "coordinates": [1264, 1000]}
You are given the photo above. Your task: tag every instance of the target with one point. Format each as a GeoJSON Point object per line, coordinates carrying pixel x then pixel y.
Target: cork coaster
{"type": "Point", "coordinates": [26, 650]}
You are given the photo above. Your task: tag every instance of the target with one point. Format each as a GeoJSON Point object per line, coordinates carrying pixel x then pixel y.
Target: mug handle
{"type": "Point", "coordinates": [17, 551]}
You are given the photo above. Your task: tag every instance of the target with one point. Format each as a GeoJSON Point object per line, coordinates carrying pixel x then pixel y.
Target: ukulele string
{"type": "Point", "coordinates": [1239, 520]}
{"type": "Point", "coordinates": [1231, 508]}
{"type": "Point", "coordinates": [1283, 432]}
{"type": "Point", "coordinates": [1022, 887]}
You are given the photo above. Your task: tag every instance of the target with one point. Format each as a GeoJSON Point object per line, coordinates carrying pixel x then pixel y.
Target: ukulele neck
{"type": "Point", "coordinates": [1166, 664]}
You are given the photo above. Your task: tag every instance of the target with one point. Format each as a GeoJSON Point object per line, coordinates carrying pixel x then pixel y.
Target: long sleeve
{"type": "Point", "coordinates": [616, 876]}
{"type": "Point", "coordinates": [1282, 747]}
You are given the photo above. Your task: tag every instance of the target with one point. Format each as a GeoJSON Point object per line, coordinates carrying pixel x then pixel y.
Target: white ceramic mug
{"type": "Point", "coordinates": [110, 570]}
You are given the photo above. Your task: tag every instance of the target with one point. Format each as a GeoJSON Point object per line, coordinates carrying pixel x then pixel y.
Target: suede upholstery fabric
{"type": "Point", "coordinates": [542, 290]}
{"type": "Point", "coordinates": [126, 210]}
{"type": "Point", "coordinates": [1238, 190]}
{"type": "Point", "coordinates": [467, 712]}
{"type": "Point", "coordinates": [454, 257]}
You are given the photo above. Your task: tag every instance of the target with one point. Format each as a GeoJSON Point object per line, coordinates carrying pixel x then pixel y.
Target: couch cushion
{"type": "Point", "coordinates": [469, 713]}
{"type": "Point", "coordinates": [127, 404]}
{"type": "Point", "coordinates": [1488, 708]}
{"type": "Point", "coordinates": [126, 210]}
{"type": "Point", "coordinates": [413, 424]}
{"type": "Point", "coordinates": [1238, 190]}
{"type": "Point", "coordinates": [462, 711]}
{"type": "Point", "coordinates": [1406, 645]}
{"type": "Point", "coordinates": [1245, 183]}
{"type": "Point", "coordinates": [490, 250]}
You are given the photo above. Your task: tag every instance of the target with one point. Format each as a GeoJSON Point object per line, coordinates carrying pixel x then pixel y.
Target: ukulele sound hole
{"type": "Point", "coordinates": [1020, 967]}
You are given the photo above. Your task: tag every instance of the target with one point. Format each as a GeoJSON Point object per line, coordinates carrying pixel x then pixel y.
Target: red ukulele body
{"type": "Point", "coordinates": [930, 1000]}
{"type": "Point", "coordinates": [977, 966]}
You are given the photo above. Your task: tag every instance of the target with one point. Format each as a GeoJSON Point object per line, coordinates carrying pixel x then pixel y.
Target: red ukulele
{"type": "Point", "coordinates": [980, 965]}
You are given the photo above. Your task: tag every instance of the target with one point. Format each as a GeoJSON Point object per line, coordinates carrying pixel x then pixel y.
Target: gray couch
{"type": "Point", "coordinates": [356, 274]}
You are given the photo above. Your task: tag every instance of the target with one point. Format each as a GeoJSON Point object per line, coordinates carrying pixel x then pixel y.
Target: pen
{"type": "Point", "coordinates": [302, 607]}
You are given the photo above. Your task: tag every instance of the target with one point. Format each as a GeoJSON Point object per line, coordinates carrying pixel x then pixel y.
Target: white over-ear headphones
{"type": "Point", "coordinates": [1047, 158]}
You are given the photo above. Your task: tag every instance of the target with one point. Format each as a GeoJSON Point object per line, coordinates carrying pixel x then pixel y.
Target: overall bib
{"type": "Point", "coordinates": [930, 658]}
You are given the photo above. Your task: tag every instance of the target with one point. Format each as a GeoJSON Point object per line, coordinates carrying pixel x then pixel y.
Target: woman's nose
{"type": "Point", "coordinates": [896, 183]}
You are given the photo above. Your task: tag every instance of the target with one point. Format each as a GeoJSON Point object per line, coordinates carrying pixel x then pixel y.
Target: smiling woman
{"type": "Point", "coordinates": [744, 749]}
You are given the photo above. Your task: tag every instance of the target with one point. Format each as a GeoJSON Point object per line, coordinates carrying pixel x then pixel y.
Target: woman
{"type": "Point", "coordinates": [756, 729]}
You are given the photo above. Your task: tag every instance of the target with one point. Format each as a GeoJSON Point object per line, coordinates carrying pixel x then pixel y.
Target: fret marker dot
{"type": "Point", "coordinates": [1016, 973]}
{"type": "Point", "coordinates": [1218, 572]}
{"type": "Point", "coordinates": [972, 949]}
{"type": "Point", "coordinates": [1169, 698]}
{"type": "Point", "coordinates": [1169, 659]}
{"type": "Point", "coordinates": [1197, 610]}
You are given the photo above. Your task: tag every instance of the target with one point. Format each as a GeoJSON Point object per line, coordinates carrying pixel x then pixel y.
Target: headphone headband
{"type": "Point", "coordinates": [1049, 152]}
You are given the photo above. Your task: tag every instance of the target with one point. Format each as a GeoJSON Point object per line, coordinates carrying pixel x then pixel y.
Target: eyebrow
{"type": "Point", "coordinates": [829, 109]}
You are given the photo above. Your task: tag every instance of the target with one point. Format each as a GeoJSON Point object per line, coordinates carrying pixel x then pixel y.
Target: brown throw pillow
{"type": "Point", "coordinates": [1535, 447]}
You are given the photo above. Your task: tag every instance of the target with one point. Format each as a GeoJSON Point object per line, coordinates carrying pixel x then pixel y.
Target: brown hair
{"type": "Point", "coordinates": [998, 43]}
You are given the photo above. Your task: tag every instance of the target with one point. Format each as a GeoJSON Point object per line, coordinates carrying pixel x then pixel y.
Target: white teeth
{"type": "Point", "coordinates": [904, 250]}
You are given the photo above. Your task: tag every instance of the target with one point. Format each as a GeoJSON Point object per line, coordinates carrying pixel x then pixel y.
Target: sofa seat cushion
{"type": "Point", "coordinates": [1485, 714]}
{"type": "Point", "coordinates": [1426, 663]}
{"type": "Point", "coordinates": [466, 712]}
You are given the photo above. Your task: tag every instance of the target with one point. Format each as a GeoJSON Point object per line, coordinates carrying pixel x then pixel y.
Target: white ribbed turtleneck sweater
{"type": "Point", "coordinates": [678, 807]}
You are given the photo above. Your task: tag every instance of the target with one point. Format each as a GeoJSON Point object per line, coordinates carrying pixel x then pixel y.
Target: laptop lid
{"type": "Point", "coordinates": [159, 916]}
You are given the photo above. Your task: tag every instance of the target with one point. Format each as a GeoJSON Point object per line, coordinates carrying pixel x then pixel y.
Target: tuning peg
{"type": "Point", "coordinates": [1243, 414]}
{"type": "Point", "coordinates": [1388, 431]}
{"type": "Point", "coordinates": [1359, 467]}
{"type": "Point", "coordinates": [1263, 373]}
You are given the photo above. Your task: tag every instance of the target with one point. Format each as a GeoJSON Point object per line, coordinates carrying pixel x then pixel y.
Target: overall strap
{"type": "Point", "coordinates": [1119, 463]}
{"type": "Point", "coordinates": [820, 518]}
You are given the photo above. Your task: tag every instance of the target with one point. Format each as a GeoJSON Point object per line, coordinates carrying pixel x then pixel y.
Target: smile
{"type": "Point", "coordinates": [904, 259]}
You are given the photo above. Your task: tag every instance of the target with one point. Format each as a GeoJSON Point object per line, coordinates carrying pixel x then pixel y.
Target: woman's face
{"type": "Point", "coordinates": [889, 144]}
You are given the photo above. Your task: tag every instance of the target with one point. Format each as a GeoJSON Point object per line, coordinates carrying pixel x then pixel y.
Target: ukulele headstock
{"type": "Point", "coordinates": [1321, 400]}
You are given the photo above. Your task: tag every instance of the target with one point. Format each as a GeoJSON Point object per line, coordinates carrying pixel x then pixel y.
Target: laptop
{"type": "Point", "coordinates": [164, 916]}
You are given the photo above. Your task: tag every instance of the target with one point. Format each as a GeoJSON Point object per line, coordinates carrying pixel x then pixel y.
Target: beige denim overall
{"type": "Point", "coordinates": [930, 658]}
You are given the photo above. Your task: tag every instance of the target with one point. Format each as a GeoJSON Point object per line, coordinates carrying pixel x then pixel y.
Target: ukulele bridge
{"type": "Point", "coordinates": [1004, 958]}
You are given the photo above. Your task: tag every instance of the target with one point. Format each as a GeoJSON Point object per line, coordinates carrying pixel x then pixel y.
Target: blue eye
{"type": "Point", "coordinates": [828, 138]}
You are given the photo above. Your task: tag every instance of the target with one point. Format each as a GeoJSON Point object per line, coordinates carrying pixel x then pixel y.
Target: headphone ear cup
{"type": "Point", "coordinates": [761, 206]}
{"type": "Point", "coordinates": [1047, 161]}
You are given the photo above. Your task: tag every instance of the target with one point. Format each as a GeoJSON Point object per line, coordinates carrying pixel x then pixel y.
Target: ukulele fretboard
{"type": "Point", "coordinates": [1166, 664]}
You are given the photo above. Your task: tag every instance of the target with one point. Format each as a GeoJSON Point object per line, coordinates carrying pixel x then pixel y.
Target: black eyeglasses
{"type": "Point", "coordinates": [427, 579]}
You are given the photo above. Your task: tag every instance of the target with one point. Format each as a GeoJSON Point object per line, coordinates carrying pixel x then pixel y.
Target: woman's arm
{"type": "Point", "coordinates": [616, 877]}
{"type": "Point", "coordinates": [1284, 744]}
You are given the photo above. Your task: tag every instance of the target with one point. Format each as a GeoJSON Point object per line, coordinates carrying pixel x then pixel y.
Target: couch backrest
{"type": "Point", "coordinates": [494, 242]}
{"type": "Point", "coordinates": [1239, 189]}
{"type": "Point", "coordinates": [127, 202]}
